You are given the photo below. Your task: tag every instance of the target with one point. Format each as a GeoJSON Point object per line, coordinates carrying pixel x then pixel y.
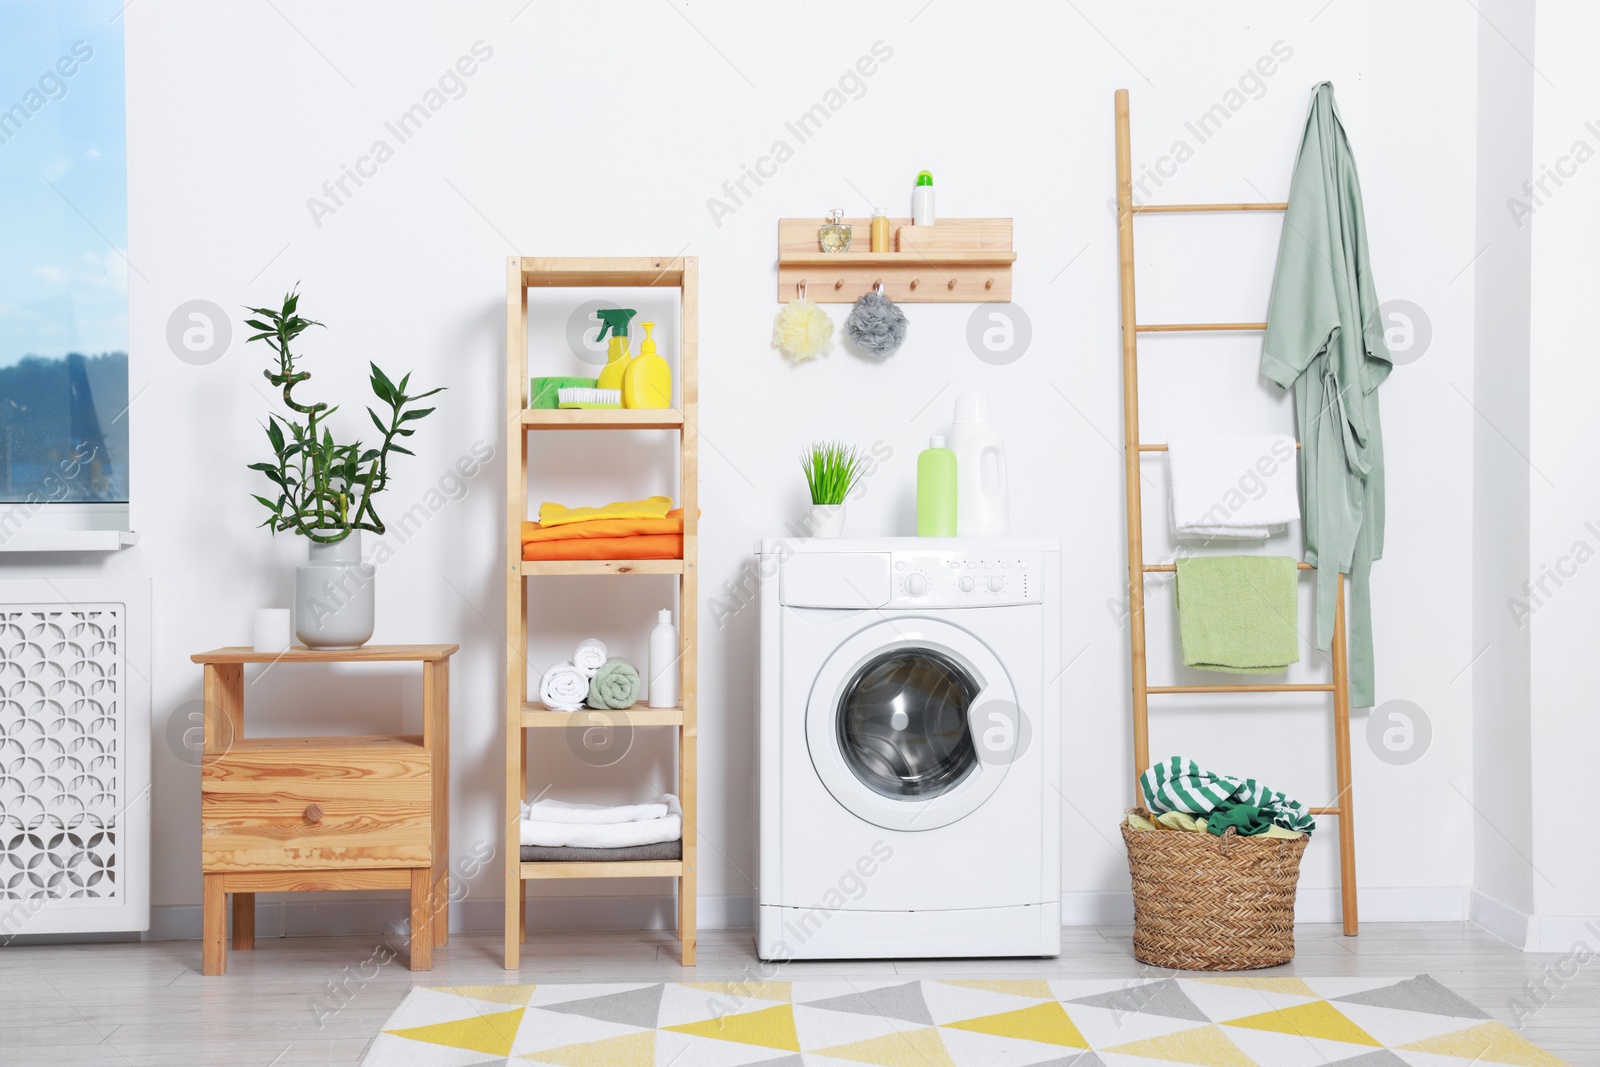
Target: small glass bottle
{"type": "Point", "coordinates": [834, 234]}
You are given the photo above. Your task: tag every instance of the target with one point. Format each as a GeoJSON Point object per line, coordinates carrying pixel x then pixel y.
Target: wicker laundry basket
{"type": "Point", "coordinates": [1205, 903]}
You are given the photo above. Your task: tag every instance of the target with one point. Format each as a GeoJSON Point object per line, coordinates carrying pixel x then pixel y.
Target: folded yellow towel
{"type": "Point", "coordinates": [655, 507]}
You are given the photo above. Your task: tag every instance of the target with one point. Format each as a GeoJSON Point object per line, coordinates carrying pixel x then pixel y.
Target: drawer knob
{"type": "Point", "coordinates": [313, 812]}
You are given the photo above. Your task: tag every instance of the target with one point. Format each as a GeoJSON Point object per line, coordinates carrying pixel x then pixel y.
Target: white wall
{"type": "Point", "coordinates": [1501, 786]}
{"type": "Point", "coordinates": [1564, 497]}
{"type": "Point", "coordinates": [583, 136]}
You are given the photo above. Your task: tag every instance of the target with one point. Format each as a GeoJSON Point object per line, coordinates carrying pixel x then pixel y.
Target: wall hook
{"type": "Point", "coordinates": [802, 288]}
{"type": "Point", "coordinates": [914, 283]}
{"type": "Point", "coordinates": [989, 284]}
{"type": "Point", "coordinates": [877, 287]}
{"type": "Point", "coordinates": [951, 284]}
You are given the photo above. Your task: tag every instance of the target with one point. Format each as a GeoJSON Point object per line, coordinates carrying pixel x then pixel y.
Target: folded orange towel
{"type": "Point", "coordinates": [639, 546]}
{"type": "Point", "coordinates": [594, 528]}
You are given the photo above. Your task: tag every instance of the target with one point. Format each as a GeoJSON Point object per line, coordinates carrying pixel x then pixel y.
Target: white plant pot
{"type": "Point", "coordinates": [826, 520]}
{"type": "Point", "coordinates": [333, 596]}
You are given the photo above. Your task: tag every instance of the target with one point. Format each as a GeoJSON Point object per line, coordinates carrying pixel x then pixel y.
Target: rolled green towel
{"type": "Point", "coordinates": [615, 685]}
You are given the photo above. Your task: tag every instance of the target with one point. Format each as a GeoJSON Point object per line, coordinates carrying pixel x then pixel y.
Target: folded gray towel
{"type": "Point", "coordinates": [664, 850]}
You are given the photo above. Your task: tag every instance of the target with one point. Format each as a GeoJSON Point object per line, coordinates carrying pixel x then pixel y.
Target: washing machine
{"type": "Point", "coordinates": [909, 747]}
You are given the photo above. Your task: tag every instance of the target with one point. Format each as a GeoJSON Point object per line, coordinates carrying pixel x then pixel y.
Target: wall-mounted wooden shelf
{"type": "Point", "coordinates": [955, 261]}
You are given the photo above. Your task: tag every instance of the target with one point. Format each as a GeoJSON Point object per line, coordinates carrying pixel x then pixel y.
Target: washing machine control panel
{"type": "Point", "coordinates": [960, 579]}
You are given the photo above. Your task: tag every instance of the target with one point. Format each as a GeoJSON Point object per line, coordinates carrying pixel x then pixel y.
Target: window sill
{"type": "Point", "coordinates": [69, 541]}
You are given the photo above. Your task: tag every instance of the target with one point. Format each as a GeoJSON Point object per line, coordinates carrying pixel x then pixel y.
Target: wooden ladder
{"type": "Point", "coordinates": [1134, 450]}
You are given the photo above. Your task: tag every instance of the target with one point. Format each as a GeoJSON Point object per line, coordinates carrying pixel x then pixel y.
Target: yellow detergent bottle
{"type": "Point", "coordinates": [647, 382]}
{"type": "Point", "coordinates": [616, 321]}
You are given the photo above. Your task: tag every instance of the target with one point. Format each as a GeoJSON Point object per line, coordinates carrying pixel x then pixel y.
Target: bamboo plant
{"type": "Point", "coordinates": [832, 470]}
{"type": "Point", "coordinates": [326, 489]}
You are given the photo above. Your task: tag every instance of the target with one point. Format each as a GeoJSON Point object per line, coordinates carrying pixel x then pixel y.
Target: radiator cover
{"type": "Point", "coordinates": [74, 756]}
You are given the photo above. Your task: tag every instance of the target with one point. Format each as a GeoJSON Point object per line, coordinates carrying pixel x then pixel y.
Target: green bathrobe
{"type": "Point", "coordinates": [1325, 338]}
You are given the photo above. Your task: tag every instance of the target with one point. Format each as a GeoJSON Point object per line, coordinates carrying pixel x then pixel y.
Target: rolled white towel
{"type": "Point", "coordinates": [606, 835]}
{"type": "Point", "coordinates": [590, 655]}
{"type": "Point", "coordinates": [564, 687]}
{"type": "Point", "coordinates": [593, 814]}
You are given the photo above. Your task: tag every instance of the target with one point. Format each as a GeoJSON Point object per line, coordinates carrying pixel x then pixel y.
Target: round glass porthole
{"type": "Point", "coordinates": [902, 723]}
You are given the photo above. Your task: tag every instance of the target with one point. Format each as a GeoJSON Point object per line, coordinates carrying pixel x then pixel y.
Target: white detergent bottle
{"type": "Point", "coordinates": [982, 505]}
{"type": "Point", "coordinates": [664, 656]}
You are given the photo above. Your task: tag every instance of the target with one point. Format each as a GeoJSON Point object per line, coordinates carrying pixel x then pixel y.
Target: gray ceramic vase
{"type": "Point", "coordinates": [333, 596]}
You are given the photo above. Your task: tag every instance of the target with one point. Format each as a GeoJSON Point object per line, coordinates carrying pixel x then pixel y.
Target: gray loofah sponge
{"type": "Point", "coordinates": [877, 325]}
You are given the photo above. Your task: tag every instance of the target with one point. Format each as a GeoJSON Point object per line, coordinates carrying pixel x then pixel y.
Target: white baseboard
{"type": "Point", "coordinates": [1563, 933]}
{"type": "Point", "coordinates": [343, 915]}
{"type": "Point", "coordinates": [347, 915]}
{"type": "Point", "coordinates": [1502, 920]}
{"type": "Point", "coordinates": [1403, 905]}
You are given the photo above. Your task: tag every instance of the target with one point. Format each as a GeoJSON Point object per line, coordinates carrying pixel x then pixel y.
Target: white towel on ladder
{"type": "Point", "coordinates": [1240, 487]}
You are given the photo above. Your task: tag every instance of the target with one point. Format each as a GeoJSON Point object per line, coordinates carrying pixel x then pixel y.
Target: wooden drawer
{"type": "Point", "coordinates": [373, 795]}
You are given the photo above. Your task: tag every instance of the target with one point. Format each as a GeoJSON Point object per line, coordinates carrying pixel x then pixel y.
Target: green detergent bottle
{"type": "Point", "coordinates": [936, 490]}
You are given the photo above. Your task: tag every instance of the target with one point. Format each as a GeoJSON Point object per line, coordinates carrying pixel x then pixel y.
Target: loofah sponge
{"type": "Point", "coordinates": [802, 331]}
{"type": "Point", "coordinates": [877, 325]}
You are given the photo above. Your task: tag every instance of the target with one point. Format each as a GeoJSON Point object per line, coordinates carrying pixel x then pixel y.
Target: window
{"type": "Point", "coordinates": [63, 263]}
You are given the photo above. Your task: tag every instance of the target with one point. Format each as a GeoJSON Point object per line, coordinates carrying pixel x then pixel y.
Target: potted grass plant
{"type": "Point", "coordinates": [832, 469]}
{"type": "Point", "coordinates": [324, 489]}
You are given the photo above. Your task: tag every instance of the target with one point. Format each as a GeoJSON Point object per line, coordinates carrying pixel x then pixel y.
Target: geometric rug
{"type": "Point", "coordinates": [1210, 1021]}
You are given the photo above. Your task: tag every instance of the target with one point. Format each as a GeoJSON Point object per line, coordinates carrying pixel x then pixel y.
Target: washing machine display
{"type": "Point", "coordinates": [903, 723]}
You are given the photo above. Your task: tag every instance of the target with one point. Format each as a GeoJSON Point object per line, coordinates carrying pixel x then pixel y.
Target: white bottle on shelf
{"type": "Point", "coordinates": [664, 656]}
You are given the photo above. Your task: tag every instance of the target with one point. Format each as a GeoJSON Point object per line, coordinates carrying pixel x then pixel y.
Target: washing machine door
{"type": "Point", "coordinates": [910, 723]}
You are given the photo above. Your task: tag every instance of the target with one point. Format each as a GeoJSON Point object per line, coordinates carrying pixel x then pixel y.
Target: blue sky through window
{"type": "Point", "coordinates": [63, 244]}
{"type": "Point", "coordinates": [63, 179]}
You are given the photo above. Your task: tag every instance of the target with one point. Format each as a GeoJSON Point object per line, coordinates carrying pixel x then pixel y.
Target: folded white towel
{"type": "Point", "coordinates": [1235, 487]}
{"type": "Point", "coordinates": [607, 835]}
{"type": "Point", "coordinates": [590, 655]}
{"type": "Point", "coordinates": [593, 814]}
{"type": "Point", "coordinates": [564, 687]}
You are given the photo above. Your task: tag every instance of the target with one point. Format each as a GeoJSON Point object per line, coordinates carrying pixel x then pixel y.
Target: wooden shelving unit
{"type": "Point", "coordinates": [522, 274]}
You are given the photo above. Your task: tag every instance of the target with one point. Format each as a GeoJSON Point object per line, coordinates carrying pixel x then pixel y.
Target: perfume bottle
{"type": "Point", "coordinates": [834, 234]}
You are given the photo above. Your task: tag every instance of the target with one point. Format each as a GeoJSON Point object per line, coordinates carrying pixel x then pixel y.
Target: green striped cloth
{"type": "Point", "coordinates": [1178, 784]}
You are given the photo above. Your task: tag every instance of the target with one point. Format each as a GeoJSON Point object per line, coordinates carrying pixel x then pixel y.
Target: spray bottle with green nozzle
{"type": "Point", "coordinates": [616, 321]}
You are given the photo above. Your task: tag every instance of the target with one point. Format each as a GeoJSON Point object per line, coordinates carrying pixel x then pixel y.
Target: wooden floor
{"type": "Point", "coordinates": [321, 1000]}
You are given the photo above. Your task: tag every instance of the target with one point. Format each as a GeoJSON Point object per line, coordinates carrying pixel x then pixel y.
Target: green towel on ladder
{"type": "Point", "coordinates": [1238, 613]}
{"type": "Point", "coordinates": [1178, 784]}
